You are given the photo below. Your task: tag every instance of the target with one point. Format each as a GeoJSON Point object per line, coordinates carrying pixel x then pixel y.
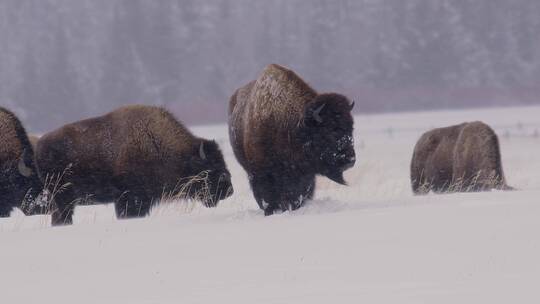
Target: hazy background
{"type": "Point", "coordinates": [63, 60]}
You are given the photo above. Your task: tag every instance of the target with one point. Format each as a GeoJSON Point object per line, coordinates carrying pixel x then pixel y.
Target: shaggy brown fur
{"type": "Point", "coordinates": [283, 133]}
{"type": "Point", "coordinates": [19, 183]}
{"type": "Point", "coordinates": [133, 156]}
{"type": "Point", "coordinates": [464, 157]}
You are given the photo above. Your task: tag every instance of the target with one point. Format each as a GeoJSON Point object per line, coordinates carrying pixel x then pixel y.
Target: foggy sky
{"type": "Point", "coordinates": [63, 60]}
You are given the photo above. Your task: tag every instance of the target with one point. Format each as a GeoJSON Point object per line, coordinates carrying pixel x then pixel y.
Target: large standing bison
{"type": "Point", "coordinates": [284, 133]}
{"type": "Point", "coordinates": [464, 157]}
{"type": "Point", "coordinates": [19, 182]}
{"type": "Point", "coordinates": [133, 156]}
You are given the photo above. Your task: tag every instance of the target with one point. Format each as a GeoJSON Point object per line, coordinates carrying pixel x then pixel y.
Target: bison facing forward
{"type": "Point", "coordinates": [464, 157]}
{"type": "Point", "coordinates": [19, 182]}
{"type": "Point", "coordinates": [284, 133]}
{"type": "Point", "coordinates": [133, 156]}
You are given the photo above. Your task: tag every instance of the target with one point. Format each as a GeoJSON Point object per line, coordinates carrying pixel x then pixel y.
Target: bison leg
{"type": "Point", "coordinates": [282, 191]}
{"type": "Point", "coordinates": [265, 192]}
{"type": "Point", "coordinates": [269, 210]}
{"type": "Point", "coordinates": [296, 190]}
{"type": "Point", "coordinates": [132, 205]}
{"type": "Point", "coordinates": [5, 203]}
{"type": "Point", "coordinates": [63, 206]}
{"type": "Point", "coordinates": [5, 209]}
{"type": "Point", "coordinates": [134, 201]}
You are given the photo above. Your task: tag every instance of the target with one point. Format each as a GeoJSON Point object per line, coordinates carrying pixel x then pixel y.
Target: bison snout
{"type": "Point", "coordinates": [348, 159]}
{"type": "Point", "coordinates": [350, 163]}
{"type": "Point", "coordinates": [222, 192]}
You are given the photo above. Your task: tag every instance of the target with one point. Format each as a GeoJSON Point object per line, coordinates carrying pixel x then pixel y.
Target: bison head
{"type": "Point", "coordinates": [329, 135]}
{"type": "Point", "coordinates": [21, 185]}
{"type": "Point", "coordinates": [214, 183]}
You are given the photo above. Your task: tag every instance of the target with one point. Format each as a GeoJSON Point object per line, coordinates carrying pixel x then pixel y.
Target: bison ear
{"type": "Point", "coordinates": [202, 154]}
{"type": "Point", "coordinates": [23, 169]}
{"type": "Point", "coordinates": [313, 112]}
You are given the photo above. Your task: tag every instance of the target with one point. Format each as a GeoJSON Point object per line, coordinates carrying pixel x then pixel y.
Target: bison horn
{"type": "Point", "coordinates": [317, 113]}
{"type": "Point", "coordinates": [23, 169]}
{"type": "Point", "coordinates": [352, 105]}
{"type": "Point", "coordinates": [201, 151]}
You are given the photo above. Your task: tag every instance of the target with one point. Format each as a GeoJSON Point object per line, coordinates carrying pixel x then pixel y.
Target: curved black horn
{"type": "Point", "coordinates": [352, 105]}
{"type": "Point", "coordinates": [24, 170]}
{"type": "Point", "coordinates": [317, 113]}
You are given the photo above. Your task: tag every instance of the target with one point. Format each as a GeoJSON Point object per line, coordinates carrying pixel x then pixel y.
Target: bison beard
{"type": "Point", "coordinates": [19, 183]}
{"type": "Point", "coordinates": [133, 156]}
{"type": "Point", "coordinates": [464, 157]}
{"type": "Point", "coordinates": [284, 133]}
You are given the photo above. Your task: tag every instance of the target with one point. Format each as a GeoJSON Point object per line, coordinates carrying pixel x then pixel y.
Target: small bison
{"type": "Point", "coordinates": [133, 156]}
{"type": "Point", "coordinates": [19, 182]}
{"type": "Point", "coordinates": [284, 133]}
{"type": "Point", "coordinates": [464, 157]}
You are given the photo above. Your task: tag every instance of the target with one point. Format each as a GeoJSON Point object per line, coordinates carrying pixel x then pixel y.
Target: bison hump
{"type": "Point", "coordinates": [280, 92]}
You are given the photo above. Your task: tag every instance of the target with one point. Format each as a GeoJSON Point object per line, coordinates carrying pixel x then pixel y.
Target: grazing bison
{"type": "Point", "coordinates": [133, 156]}
{"type": "Point", "coordinates": [464, 157]}
{"type": "Point", "coordinates": [284, 133]}
{"type": "Point", "coordinates": [19, 182]}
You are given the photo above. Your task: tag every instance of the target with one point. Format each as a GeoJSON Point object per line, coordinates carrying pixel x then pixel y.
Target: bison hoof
{"type": "Point", "coordinates": [268, 211]}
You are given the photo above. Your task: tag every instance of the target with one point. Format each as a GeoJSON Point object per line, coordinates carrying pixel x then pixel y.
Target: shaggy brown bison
{"type": "Point", "coordinates": [464, 157]}
{"type": "Point", "coordinates": [284, 133]}
{"type": "Point", "coordinates": [133, 156]}
{"type": "Point", "coordinates": [19, 182]}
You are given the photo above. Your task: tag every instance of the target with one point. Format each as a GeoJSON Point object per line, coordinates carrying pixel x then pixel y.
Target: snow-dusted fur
{"type": "Point", "coordinates": [284, 133]}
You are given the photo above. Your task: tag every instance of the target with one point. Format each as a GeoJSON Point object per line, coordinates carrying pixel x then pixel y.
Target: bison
{"type": "Point", "coordinates": [19, 182]}
{"type": "Point", "coordinates": [284, 133]}
{"type": "Point", "coordinates": [458, 158]}
{"type": "Point", "coordinates": [134, 157]}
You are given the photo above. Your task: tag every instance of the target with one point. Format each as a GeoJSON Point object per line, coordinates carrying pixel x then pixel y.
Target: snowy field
{"type": "Point", "coordinates": [370, 242]}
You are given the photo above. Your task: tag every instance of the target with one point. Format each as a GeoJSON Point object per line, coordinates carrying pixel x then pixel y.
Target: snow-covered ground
{"type": "Point", "coordinates": [371, 242]}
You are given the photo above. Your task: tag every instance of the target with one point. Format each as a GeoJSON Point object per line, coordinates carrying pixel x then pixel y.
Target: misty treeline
{"type": "Point", "coordinates": [62, 60]}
